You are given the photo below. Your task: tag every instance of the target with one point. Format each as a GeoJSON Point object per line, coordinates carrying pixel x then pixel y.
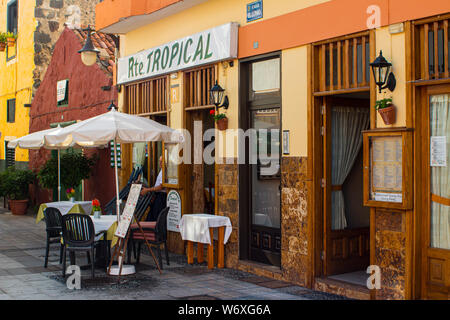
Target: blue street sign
{"type": "Point", "coordinates": [254, 10]}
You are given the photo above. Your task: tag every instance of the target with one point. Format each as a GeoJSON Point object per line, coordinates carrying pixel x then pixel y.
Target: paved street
{"type": "Point", "coordinates": [23, 276]}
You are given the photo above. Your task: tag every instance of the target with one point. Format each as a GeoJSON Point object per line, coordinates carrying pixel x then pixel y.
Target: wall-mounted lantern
{"type": "Point", "coordinates": [383, 78]}
{"type": "Point", "coordinates": [217, 95]}
{"type": "Point", "coordinates": [89, 52]}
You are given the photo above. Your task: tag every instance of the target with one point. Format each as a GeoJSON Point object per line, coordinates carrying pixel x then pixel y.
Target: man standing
{"type": "Point", "coordinates": [159, 200]}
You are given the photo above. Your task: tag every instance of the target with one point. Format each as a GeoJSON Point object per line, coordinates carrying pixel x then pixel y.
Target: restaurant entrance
{"type": "Point", "coordinates": [200, 173]}
{"type": "Point", "coordinates": [434, 138]}
{"type": "Point", "coordinates": [261, 174]}
{"type": "Point", "coordinates": [346, 234]}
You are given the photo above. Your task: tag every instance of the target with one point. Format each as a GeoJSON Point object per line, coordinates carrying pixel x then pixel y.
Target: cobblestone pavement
{"type": "Point", "coordinates": [23, 276]}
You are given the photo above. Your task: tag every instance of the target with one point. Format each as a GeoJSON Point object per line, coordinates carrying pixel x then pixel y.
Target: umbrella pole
{"type": "Point", "coordinates": [117, 182]}
{"type": "Point", "coordinates": [59, 176]}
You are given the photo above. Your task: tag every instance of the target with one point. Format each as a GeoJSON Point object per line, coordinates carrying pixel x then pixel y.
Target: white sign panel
{"type": "Point", "coordinates": [438, 151]}
{"type": "Point", "coordinates": [174, 215]}
{"type": "Point", "coordinates": [61, 90]}
{"type": "Point", "coordinates": [387, 197]}
{"type": "Point", "coordinates": [216, 44]}
{"type": "Point", "coordinates": [127, 214]}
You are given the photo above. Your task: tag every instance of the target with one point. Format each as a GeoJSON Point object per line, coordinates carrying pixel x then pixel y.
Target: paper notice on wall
{"type": "Point", "coordinates": [438, 151]}
{"type": "Point", "coordinates": [61, 90]}
{"type": "Point", "coordinates": [387, 197]}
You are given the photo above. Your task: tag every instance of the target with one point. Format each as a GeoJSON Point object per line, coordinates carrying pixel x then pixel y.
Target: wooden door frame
{"type": "Point", "coordinates": [315, 159]}
{"type": "Point", "coordinates": [424, 203]}
{"type": "Point", "coordinates": [244, 171]}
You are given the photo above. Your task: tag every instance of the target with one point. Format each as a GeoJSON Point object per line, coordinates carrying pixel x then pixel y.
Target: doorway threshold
{"type": "Point", "coordinates": [340, 285]}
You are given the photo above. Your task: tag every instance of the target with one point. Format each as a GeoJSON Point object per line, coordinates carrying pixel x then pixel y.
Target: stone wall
{"type": "Point", "coordinates": [390, 253]}
{"type": "Point", "coordinates": [228, 199]}
{"type": "Point", "coordinates": [295, 249]}
{"type": "Point", "coordinates": [51, 16]}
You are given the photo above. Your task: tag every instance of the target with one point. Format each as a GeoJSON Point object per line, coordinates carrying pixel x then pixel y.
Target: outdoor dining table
{"type": "Point", "coordinates": [199, 228]}
{"type": "Point", "coordinates": [106, 223]}
{"type": "Point", "coordinates": [65, 207]}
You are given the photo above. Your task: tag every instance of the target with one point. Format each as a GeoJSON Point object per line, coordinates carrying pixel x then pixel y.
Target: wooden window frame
{"type": "Point", "coordinates": [148, 97]}
{"type": "Point", "coordinates": [407, 168]}
{"type": "Point", "coordinates": [198, 101]}
{"type": "Point", "coordinates": [419, 37]}
{"type": "Point", "coordinates": [8, 120]}
{"type": "Point", "coordinates": [346, 71]}
{"type": "Point", "coordinates": [179, 171]}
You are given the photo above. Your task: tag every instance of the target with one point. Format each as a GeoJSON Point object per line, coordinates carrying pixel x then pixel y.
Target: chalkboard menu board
{"type": "Point", "coordinates": [388, 168]}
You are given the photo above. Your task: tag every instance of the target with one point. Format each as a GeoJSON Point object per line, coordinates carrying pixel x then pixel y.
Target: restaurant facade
{"type": "Point", "coordinates": [350, 194]}
{"type": "Point", "coordinates": [72, 92]}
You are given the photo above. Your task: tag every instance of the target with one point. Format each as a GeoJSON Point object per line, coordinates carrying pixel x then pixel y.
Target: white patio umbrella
{"type": "Point", "coordinates": [117, 126]}
{"type": "Point", "coordinates": [35, 141]}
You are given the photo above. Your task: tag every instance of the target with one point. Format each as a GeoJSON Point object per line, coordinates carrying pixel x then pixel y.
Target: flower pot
{"type": "Point", "coordinates": [11, 42]}
{"type": "Point", "coordinates": [72, 199]}
{"type": "Point", "coordinates": [388, 114]}
{"type": "Point", "coordinates": [18, 207]}
{"type": "Point", "coordinates": [222, 124]}
{"type": "Point", "coordinates": [2, 46]}
{"type": "Point", "coordinates": [97, 214]}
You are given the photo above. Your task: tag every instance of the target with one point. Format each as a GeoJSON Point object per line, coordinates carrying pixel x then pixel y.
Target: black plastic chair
{"type": "Point", "coordinates": [79, 235]}
{"type": "Point", "coordinates": [155, 233]}
{"type": "Point", "coordinates": [53, 221]}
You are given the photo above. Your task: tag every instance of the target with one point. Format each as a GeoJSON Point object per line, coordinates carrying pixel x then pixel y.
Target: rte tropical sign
{"type": "Point", "coordinates": [206, 47]}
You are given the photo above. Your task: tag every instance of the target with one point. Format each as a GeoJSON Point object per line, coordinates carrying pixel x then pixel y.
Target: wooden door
{"type": "Point", "coordinates": [435, 190]}
{"type": "Point", "coordinates": [344, 250]}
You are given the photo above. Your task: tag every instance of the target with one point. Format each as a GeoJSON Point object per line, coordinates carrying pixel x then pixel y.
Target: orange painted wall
{"type": "Point", "coordinates": [109, 12]}
{"type": "Point", "coordinates": [329, 20]}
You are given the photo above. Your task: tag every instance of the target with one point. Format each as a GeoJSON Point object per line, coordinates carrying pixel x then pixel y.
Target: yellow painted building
{"type": "Point", "coordinates": [16, 68]}
{"type": "Point", "coordinates": [304, 68]}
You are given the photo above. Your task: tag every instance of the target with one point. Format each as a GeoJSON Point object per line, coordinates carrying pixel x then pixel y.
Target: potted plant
{"type": "Point", "coordinates": [2, 41]}
{"type": "Point", "coordinates": [11, 39]}
{"type": "Point", "coordinates": [386, 110]}
{"type": "Point", "coordinates": [14, 184]}
{"type": "Point", "coordinates": [96, 208]}
{"type": "Point", "coordinates": [70, 192]}
{"type": "Point", "coordinates": [221, 120]}
{"type": "Point", "coordinates": [74, 168]}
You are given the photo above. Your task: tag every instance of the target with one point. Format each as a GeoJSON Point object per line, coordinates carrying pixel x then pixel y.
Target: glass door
{"type": "Point", "coordinates": [436, 280]}
{"type": "Point", "coordinates": [265, 186]}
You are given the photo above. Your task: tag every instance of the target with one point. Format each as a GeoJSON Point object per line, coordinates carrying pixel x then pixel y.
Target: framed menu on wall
{"type": "Point", "coordinates": [388, 168]}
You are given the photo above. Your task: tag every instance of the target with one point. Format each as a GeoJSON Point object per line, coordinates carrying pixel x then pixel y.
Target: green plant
{"type": "Point", "coordinates": [10, 35]}
{"type": "Point", "coordinates": [218, 116]}
{"type": "Point", "coordinates": [74, 168]}
{"type": "Point", "coordinates": [383, 103]}
{"type": "Point", "coordinates": [14, 183]}
{"type": "Point", "coordinates": [2, 37]}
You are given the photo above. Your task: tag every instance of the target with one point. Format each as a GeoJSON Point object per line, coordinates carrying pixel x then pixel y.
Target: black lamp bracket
{"type": "Point", "coordinates": [225, 104]}
{"type": "Point", "coordinates": [390, 83]}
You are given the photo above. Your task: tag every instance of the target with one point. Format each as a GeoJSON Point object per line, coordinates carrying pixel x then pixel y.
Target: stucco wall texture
{"type": "Point", "coordinates": [86, 99]}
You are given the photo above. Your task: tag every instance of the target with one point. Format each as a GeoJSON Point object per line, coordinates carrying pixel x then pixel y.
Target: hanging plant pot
{"type": "Point", "coordinates": [11, 42]}
{"type": "Point", "coordinates": [18, 207]}
{"type": "Point", "coordinates": [222, 124]}
{"type": "Point", "coordinates": [2, 46]}
{"type": "Point", "coordinates": [388, 114]}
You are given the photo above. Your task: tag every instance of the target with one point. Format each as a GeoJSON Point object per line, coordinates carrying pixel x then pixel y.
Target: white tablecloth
{"type": "Point", "coordinates": [103, 223]}
{"type": "Point", "coordinates": [65, 206]}
{"type": "Point", "coordinates": [195, 227]}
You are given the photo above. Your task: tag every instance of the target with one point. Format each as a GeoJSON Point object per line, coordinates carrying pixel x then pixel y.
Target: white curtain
{"type": "Point", "coordinates": [346, 140]}
{"type": "Point", "coordinates": [139, 154]}
{"type": "Point", "coordinates": [440, 176]}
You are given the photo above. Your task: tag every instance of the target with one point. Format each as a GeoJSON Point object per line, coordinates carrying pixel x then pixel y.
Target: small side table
{"type": "Point", "coordinates": [199, 228]}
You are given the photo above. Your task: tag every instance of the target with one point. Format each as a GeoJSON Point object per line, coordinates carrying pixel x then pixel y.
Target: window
{"type": "Point", "coordinates": [11, 110]}
{"type": "Point", "coordinates": [198, 82]}
{"type": "Point", "coordinates": [62, 93]}
{"type": "Point", "coordinates": [147, 97]}
{"type": "Point", "coordinates": [10, 156]}
{"type": "Point", "coordinates": [12, 16]}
